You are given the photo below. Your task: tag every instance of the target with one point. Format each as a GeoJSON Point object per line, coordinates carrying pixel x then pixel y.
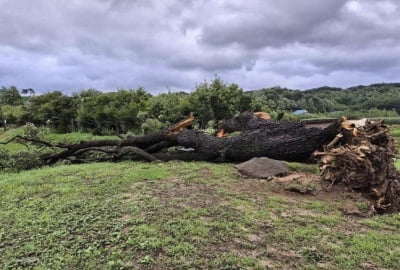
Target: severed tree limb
{"type": "Point", "coordinates": [97, 149]}
{"type": "Point", "coordinates": [115, 153]}
{"type": "Point", "coordinates": [138, 141]}
{"type": "Point", "coordinates": [19, 139]}
{"type": "Point", "coordinates": [159, 146]}
{"type": "Point", "coordinates": [137, 151]}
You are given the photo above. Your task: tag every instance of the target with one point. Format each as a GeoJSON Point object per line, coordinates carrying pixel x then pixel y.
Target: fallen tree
{"type": "Point", "coordinates": [291, 141]}
{"type": "Point", "coordinates": [362, 158]}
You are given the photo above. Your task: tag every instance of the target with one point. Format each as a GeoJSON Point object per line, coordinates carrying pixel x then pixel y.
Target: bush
{"type": "Point", "coordinates": [12, 114]}
{"type": "Point", "coordinates": [23, 160]}
{"type": "Point", "coordinates": [151, 125]}
{"type": "Point", "coordinates": [32, 131]}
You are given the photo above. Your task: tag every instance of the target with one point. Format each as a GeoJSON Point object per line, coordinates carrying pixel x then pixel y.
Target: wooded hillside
{"type": "Point", "coordinates": [139, 112]}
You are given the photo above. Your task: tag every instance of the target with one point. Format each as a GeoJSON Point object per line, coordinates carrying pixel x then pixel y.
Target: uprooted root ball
{"type": "Point", "coordinates": [363, 158]}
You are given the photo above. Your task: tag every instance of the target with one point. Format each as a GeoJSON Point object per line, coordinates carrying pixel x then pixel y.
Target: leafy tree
{"type": "Point", "coordinates": [217, 101]}
{"type": "Point", "coordinates": [12, 114]}
{"type": "Point", "coordinates": [170, 107]}
{"type": "Point", "coordinates": [151, 125]}
{"type": "Point", "coordinates": [112, 112]}
{"type": "Point", "coordinates": [10, 96]}
{"type": "Point", "coordinates": [85, 108]}
{"type": "Point", "coordinates": [53, 109]}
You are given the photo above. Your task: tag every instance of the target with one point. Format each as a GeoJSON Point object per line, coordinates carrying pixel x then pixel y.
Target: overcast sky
{"type": "Point", "coordinates": [173, 45]}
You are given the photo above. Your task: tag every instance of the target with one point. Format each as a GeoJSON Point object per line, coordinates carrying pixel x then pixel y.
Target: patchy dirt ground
{"type": "Point", "coordinates": [312, 208]}
{"type": "Point", "coordinates": [298, 184]}
{"type": "Point", "coordinates": [179, 215]}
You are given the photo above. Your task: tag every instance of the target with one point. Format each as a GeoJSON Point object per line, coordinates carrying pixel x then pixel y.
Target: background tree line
{"type": "Point", "coordinates": [137, 111]}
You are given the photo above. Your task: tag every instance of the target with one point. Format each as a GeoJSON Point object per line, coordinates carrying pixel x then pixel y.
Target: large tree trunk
{"type": "Point", "coordinates": [277, 140]}
{"type": "Point", "coordinates": [290, 141]}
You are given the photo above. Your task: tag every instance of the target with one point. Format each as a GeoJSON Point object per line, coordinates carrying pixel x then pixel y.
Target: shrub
{"type": "Point", "coordinates": [151, 125]}
{"type": "Point", "coordinates": [23, 160]}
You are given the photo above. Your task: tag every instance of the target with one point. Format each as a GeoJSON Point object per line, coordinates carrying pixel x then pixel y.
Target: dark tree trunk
{"type": "Point", "coordinates": [278, 140]}
{"type": "Point", "coordinates": [290, 141]}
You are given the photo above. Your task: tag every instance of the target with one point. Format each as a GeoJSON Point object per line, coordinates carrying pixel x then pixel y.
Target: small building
{"type": "Point", "coordinates": [300, 112]}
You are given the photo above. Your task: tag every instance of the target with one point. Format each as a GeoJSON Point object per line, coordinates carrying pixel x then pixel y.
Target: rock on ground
{"type": "Point", "coordinates": [262, 167]}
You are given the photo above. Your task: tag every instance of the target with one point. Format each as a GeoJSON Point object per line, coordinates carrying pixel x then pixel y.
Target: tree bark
{"type": "Point", "coordinates": [290, 141]}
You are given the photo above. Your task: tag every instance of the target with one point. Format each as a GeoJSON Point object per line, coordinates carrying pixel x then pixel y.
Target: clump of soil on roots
{"type": "Point", "coordinates": [363, 158]}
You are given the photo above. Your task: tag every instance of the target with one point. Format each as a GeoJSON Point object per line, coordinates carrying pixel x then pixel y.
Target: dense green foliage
{"type": "Point", "coordinates": [138, 111]}
{"type": "Point", "coordinates": [328, 100]}
{"type": "Point", "coordinates": [217, 101]}
{"type": "Point", "coordinates": [10, 96]}
{"type": "Point", "coordinates": [111, 112]}
{"type": "Point", "coordinates": [54, 108]}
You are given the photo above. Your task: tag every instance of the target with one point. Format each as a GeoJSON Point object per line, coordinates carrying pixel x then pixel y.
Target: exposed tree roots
{"type": "Point", "coordinates": [363, 159]}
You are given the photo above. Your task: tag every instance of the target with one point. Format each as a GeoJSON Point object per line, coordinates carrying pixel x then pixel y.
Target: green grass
{"type": "Point", "coordinates": [395, 130]}
{"type": "Point", "coordinates": [73, 137]}
{"type": "Point", "coordinates": [387, 120]}
{"type": "Point", "coordinates": [177, 215]}
{"type": "Point", "coordinates": [302, 167]}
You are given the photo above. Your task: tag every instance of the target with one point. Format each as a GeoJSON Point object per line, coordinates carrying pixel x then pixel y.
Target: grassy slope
{"type": "Point", "coordinates": [178, 216]}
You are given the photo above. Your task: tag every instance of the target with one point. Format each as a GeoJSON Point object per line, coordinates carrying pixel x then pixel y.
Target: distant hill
{"type": "Point", "coordinates": [382, 96]}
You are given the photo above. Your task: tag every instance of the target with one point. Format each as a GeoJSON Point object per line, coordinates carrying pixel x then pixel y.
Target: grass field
{"type": "Point", "coordinates": [180, 216]}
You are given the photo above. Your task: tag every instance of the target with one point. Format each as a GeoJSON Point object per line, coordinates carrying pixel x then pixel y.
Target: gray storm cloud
{"type": "Point", "coordinates": [109, 44]}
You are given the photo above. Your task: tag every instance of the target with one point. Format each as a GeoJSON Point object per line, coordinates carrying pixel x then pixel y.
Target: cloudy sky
{"type": "Point", "coordinates": [166, 45]}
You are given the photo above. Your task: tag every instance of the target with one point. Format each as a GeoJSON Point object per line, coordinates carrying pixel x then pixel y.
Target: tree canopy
{"type": "Point", "coordinates": [137, 111]}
